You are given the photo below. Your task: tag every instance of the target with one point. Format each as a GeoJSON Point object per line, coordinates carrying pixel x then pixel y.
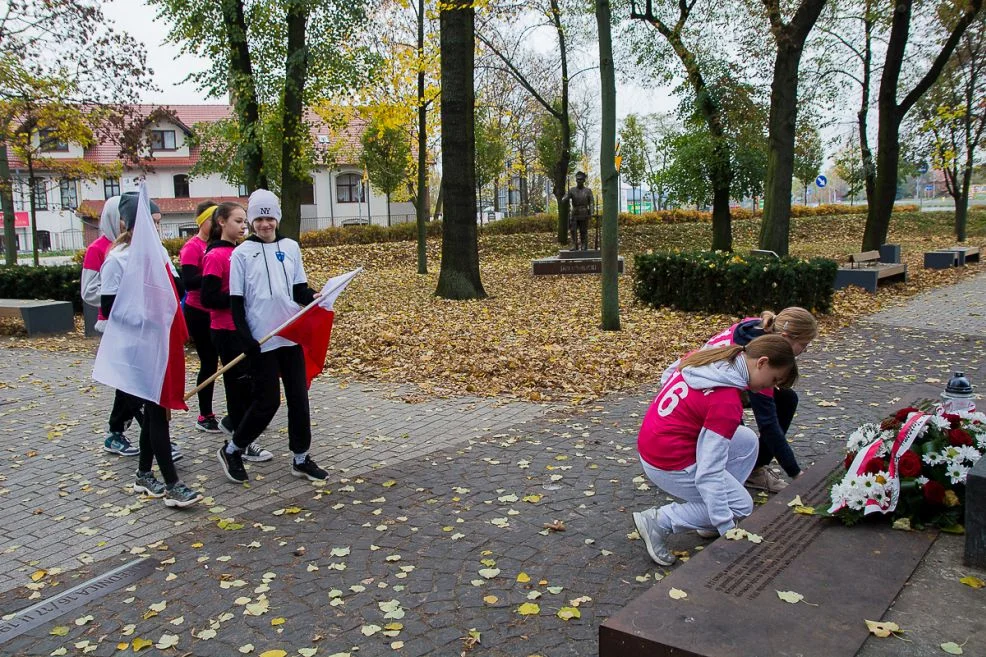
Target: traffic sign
{"type": "Point", "coordinates": [929, 187]}
{"type": "Point", "coordinates": [821, 181]}
{"type": "Point", "coordinates": [923, 168]}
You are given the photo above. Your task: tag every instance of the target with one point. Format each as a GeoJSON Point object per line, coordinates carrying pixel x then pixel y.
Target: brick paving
{"type": "Point", "coordinates": [440, 537]}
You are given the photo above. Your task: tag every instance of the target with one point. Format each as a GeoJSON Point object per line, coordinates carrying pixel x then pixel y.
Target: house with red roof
{"type": "Point", "coordinates": [68, 210]}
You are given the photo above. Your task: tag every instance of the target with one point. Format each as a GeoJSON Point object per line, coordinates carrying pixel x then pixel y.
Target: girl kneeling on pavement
{"type": "Point", "coordinates": [228, 223]}
{"type": "Point", "coordinates": [693, 445]}
{"type": "Point", "coordinates": [268, 286]}
{"type": "Point", "coordinates": [773, 408]}
{"type": "Point", "coordinates": [155, 440]}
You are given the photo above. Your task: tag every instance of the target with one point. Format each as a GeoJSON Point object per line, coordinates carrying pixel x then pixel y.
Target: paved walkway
{"type": "Point", "coordinates": [415, 543]}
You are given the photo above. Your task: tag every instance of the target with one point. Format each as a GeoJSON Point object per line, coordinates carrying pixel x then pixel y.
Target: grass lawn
{"type": "Point", "coordinates": [538, 338]}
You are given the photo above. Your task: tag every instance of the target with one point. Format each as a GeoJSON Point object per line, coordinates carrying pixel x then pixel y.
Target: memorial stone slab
{"type": "Point", "coordinates": [846, 575]}
{"type": "Point", "coordinates": [975, 515]}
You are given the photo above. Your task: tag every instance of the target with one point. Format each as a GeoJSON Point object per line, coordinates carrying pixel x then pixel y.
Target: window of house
{"type": "Point", "coordinates": [181, 186]}
{"type": "Point", "coordinates": [348, 189]}
{"type": "Point", "coordinates": [163, 140]}
{"type": "Point", "coordinates": [308, 194]}
{"type": "Point", "coordinates": [70, 194]}
{"type": "Point", "coordinates": [241, 191]}
{"type": "Point", "coordinates": [111, 187]}
{"type": "Point", "coordinates": [50, 143]}
{"type": "Point", "coordinates": [40, 193]}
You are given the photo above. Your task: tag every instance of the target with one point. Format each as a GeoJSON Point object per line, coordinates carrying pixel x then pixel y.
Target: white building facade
{"type": "Point", "coordinates": [67, 211]}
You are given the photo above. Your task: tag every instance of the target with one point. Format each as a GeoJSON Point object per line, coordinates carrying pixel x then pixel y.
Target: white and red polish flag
{"type": "Point", "coordinates": [142, 351]}
{"type": "Point", "coordinates": [313, 328]}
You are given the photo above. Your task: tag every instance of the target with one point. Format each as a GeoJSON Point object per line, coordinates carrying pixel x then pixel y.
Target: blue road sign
{"type": "Point", "coordinates": [821, 181]}
{"type": "Point", "coordinates": [923, 168]}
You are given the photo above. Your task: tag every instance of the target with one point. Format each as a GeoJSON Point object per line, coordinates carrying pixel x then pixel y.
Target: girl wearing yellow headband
{"type": "Point", "coordinates": [197, 316]}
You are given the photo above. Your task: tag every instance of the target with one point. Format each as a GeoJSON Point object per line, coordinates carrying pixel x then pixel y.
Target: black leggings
{"type": "Point", "coordinates": [155, 443]}
{"type": "Point", "coordinates": [786, 401]}
{"type": "Point", "coordinates": [236, 380]}
{"type": "Point", "coordinates": [288, 363]}
{"type": "Point", "coordinates": [198, 328]}
{"type": "Point", "coordinates": [126, 407]}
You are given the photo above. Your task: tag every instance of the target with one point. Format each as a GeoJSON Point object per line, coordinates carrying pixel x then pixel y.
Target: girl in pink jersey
{"type": "Point", "coordinates": [197, 316]}
{"type": "Point", "coordinates": [228, 224]}
{"type": "Point", "coordinates": [693, 445]}
{"type": "Point", "coordinates": [773, 409]}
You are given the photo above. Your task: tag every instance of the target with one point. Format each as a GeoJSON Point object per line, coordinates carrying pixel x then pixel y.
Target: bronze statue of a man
{"type": "Point", "coordinates": [582, 207]}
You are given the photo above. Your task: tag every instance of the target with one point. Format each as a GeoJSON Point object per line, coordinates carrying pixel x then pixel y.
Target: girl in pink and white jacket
{"type": "Point", "coordinates": [693, 445]}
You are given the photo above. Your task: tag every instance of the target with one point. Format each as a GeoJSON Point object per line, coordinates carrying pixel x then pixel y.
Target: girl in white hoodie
{"type": "Point", "coordinates": [693, 445]}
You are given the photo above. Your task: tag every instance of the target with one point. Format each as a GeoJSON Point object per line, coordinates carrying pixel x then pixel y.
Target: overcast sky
{"type": "Point", "coordinates": [136, 18]}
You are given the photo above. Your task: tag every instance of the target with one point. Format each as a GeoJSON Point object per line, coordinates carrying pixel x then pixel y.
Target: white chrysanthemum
{"type": "Point", "coordinates": [867, 482]}
{"type": "Point", "coordinates": [922, 480]}
{"type": "Point", "coordinates": [881, 497]}
{"type": "Point", "coordinates": [957, 473]}
{"type": "Point", "coordinates": [856, 503]}
{"type": "Point", "coordinates": [969, 455]}
{"type": "Point", "coordinates": [933, 458]}
{"type": "Point", "coordinates": [862, 437]}
{"type": "Point", "coordinates": [975, 415]}
{"type": "Point", "coordinates": [939, 422]}
{"type": "Point", "coordinates": [852, 483]}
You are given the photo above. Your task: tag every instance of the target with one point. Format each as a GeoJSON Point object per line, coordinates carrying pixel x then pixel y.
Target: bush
{"type": "Point", "coordinates": [729, 283]}
{"type": "Point", "coordinates": [406, 232]}
{"type": "Point", "coordinates": [538, 223]}
{"type": "Point", "coordinates": [60, 283]}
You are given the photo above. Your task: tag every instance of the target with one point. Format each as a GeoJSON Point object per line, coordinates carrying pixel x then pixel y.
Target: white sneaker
{"type": "Point", "coordinates": [256, 454]}
{"type": "Point", "coordinates": [654, 537]}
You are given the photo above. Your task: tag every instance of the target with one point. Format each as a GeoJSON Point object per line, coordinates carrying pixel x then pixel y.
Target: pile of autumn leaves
{"type": "Point", "coordinates": [538, 338]}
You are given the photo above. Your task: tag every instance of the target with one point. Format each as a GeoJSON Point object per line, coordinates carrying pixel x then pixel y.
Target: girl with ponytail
{"type": "Point", "coordinates": [773, 408]}
{"type": "Point", "coordinates": [693, 445]}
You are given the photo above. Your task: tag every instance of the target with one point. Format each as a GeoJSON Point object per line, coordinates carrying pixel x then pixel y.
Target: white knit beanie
{"type": "Point", "coordinates": [263, 204]}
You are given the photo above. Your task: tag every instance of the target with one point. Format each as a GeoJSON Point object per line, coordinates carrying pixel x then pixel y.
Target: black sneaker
{"type": "Point", "coordinates": [232, 465]}
{"type": "Point", "coordinates": [309, 469]}
{"type": "Point", "coordinates": [207, 423]}
{"type": "Point", "coordinates": [226, 426]}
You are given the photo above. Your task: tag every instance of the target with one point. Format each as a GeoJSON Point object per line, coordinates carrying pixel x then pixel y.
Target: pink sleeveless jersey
{"type": "Point", "coordinates": [669, 433]}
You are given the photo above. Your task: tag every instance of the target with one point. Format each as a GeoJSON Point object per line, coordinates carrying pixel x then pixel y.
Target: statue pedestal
{"type": "Point", "coordinates": [571, 262]}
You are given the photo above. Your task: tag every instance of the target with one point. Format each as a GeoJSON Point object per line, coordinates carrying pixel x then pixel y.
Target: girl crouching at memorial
{"type": "Point", "coordinates": [773, 408]}
{"type": "Point", "coordinates": [155, 441]}
{"type": "Point", "coordinates": [228, 223]}
{"type": "Point", "coordinates": [693, 445]}
{"type": "Point", "coordinates": [267, 287]}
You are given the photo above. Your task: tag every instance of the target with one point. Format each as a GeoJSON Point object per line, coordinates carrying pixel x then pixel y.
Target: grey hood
{"type": "Point", "coordinates": [723, 373]}
{"type": "Point", "coordinates": [109, 219]}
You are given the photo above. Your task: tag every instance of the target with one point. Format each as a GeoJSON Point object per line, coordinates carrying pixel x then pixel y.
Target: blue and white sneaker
{"type": "Point", "coordinates": [176, 453]}
{"type": "Point", "coordinates": [149, 485]}
{"type": "Point", "coordinates": [117, 443]}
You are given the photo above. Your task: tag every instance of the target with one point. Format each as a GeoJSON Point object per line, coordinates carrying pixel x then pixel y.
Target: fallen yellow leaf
{"type": "Point", "coordinates": [274, 653]}
{"type": "Point", "coordinates": [974, 582]}
{"type": "Point", "coordinates": [139, 644]}
{"type": "Point", "coordinates": [882, 630]}
{"type": "Point", "coordinates": [529, 609]}
{"type": "Point", "coordinates": [568, 613]}
{"type": "Point", "coordinates": [277, 621]}
{"type": "Point", "coordinates": [523, 578]}
{"type": "Point", "coordinates": [677, 594]}
{"type": "Point", "coordinates": [38, 574]}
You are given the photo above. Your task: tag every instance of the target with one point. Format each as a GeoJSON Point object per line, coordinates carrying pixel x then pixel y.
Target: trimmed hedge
{"type": "Point", "coordinates": [61, 283]}
{"type": "Point", "coordinates": [729, 283]}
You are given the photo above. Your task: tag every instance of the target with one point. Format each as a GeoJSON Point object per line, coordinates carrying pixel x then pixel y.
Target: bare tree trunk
{"type": "Point", "coordinates": [7, 202]}
{"type": "Point", "coordinates": [459, 276]}
{"type": "Point", "coordinates": [243, 96]}
{"type": "Point", "coordinates": [790, 39]}
{"type": "Point", "coordinates": [607, 169]}
{"type": "Point", "coordinates": [891, 113]}
{"type": "Point", "coordinates": [869, 168]}
{"type": "Point", "coordinates": [421, 209]}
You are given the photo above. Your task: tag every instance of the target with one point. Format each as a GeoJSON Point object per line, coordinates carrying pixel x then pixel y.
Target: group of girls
{"type": "Point", "coordinates": [692, 442]}
{"type": "Point", "coordinates": [233, 299]}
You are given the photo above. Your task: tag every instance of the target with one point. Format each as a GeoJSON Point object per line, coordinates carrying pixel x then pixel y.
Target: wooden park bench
{"type": "Point", "coordinates": [40, 316]}
{"type": "Point", "coordinates": [953, 256]}
{"type": "Point", "coordinates": [866, 270]}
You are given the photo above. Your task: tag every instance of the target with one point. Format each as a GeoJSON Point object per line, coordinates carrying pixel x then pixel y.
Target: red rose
{"type": "Point", "coordinates": [954, 420]}
{"type": "Point", "coordinates": [890, 424]}
{"type": "Point", "coordinates": [850, 457]}
{"type": "Point", "coordinates": [934, 492]}
{"type": "Point", "coordinates": [959, 437]}
{"type": "Point", "coordinates": [902, 414]}
{"type": "Point", "coordinates": [909, 464]}
{"type": "Point", "coordinates": [873, 466]}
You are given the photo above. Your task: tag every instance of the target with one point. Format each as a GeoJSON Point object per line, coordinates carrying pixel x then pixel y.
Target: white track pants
{"type": "Point", "coordinates": [691, 514]}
